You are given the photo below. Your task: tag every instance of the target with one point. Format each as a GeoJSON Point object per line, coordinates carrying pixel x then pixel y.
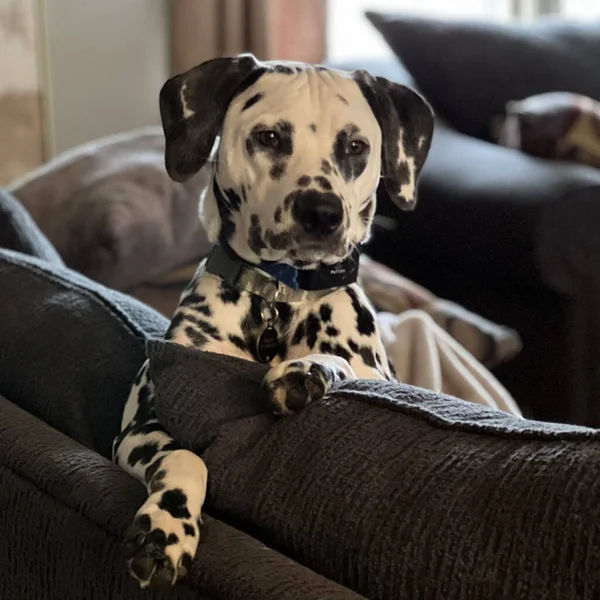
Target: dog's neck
{"type": "Point", "coordinates": [281, 281]}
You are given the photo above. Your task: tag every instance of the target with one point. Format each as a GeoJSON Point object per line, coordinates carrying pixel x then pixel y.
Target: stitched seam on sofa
{"type": "Point", "coordinates": [592, 436]}
{"type": "Point", "coordinates": [123, 318]}
{"type": "Point", "coordinates": [72, 509]}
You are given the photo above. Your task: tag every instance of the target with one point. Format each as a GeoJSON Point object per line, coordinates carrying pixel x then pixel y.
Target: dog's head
{"type": "Point", "coordinates": [301, 152]}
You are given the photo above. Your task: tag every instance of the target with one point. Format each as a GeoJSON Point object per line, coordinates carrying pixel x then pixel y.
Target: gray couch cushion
{"type": "Point", "coordinates": [69, 348]}
{"type": "Point", "coordinates": [469, 70]}
{"type": "Point", "coordinates": [18, 231]}
{"type": "Point", "coordinates": [390, 490]}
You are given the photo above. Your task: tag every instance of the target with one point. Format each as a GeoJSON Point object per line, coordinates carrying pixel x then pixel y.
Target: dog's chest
{"type": "Point", "coordinates": [216, 317]}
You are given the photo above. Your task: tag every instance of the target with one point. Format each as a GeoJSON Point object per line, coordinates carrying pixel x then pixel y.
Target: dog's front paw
{"type": "Point", "coordinates": [292, 384]}
{"type": "Point", "coordinates": [159, 547]}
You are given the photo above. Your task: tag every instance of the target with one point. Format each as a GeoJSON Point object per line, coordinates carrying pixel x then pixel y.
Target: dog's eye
{"type": "Point", "coordinates": [357, 147]}
{"type": "Point", "coordinates": [268, 138]}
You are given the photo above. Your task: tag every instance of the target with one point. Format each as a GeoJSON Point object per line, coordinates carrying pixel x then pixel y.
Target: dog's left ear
{"type": "Point", "coordinates": [406, 123]}
{"type": "Point", "coordinates": [193, 106]}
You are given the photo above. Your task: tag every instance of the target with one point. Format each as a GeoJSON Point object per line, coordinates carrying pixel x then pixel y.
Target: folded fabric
{"type": "Point", "coordinates": [390, 490]}
{"type": "Point", "coordinates": [113, 213]}
{"type": "Point", "coordinates": [555, 125]}
{"type": "Point", "coordinates": [423, 354]}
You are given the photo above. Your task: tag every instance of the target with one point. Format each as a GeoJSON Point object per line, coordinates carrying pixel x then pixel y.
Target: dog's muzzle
{"type": "Point", "coordinates": [317, 213]}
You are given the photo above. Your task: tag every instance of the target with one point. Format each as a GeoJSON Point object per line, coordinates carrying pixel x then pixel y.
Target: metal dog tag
{"type": "Point", "coordinates": [268, 344]}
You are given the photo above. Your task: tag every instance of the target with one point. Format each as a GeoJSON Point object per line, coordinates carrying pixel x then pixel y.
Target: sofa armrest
{"type": "Point", "coordinates": [482, 209]}
{"type": "Point", "coordinates": [64, 513]}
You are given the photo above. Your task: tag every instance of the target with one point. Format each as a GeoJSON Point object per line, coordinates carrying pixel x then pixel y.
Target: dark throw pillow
{"type": "Point", "coordinates": [469, 70]}
{"type": "Point", "coordinates": [393, 491]}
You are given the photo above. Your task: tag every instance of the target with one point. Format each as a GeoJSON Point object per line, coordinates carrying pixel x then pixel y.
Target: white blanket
{"type": "Point", "coordinates": [425, 355]}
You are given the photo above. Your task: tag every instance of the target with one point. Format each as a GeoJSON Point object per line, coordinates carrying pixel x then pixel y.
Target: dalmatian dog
{"type": "Point", "coordinates": [297, 153]}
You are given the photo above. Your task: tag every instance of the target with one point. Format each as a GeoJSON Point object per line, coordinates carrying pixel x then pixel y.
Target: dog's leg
{"type": "Point", "coordinates": [165, 533]}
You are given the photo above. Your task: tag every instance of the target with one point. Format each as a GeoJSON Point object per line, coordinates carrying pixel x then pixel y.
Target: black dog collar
{"type": "Point", "coordinates": [278, 282]}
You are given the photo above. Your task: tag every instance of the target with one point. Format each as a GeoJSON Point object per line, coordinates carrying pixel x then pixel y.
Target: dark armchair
{"type": "Point", "coordinates": [516, 239]}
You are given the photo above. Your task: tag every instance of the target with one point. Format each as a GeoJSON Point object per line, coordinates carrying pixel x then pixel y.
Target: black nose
{"type": "Point", "coordinates": [318, 214]}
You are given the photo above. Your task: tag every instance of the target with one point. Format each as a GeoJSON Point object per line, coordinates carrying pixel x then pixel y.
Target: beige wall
{"type": "Point", "coordinates": [21, 142]}
{"type": "Point", "coordinates": [106, 61]}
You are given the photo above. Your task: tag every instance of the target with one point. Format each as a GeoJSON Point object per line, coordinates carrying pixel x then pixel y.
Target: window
{"type": "Point", "coordinates": [350, 35]}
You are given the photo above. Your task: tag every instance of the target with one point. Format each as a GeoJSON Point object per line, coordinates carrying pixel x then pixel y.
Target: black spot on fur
{"type": "Point", "coordinates": [228, 294]}
{"type": "Point", "coordinates": [142, 454]}
{"type": "Point", "coordinates": [367, 355]}
{"type": "Point", "coordinates": [332, 331]}
{"type": "Point", "coordinates": [172, 539]}
{"type": "Point", "coordinates": [197, 337]}
{"type": "Point", "coordinates": [343, 99]}
{"type": "Point", "coordinates": [324, 183]}
{"type": "Point", "coordinates": [326, 348]}
{"type": "Point", "coordinates": [207, 328]}
{"type": "Point", "coordinates": [233, 200]}
{"type": "Point", "coordinates": [255, 240]}
{"type": "Point", "coordinates": [153, 468]}
{"type": "Point", "coordinates": [289, 199]}
{"type": "Point", "coordinates": [146, 428]}
{"type": "Point", "coordinates": [244, 195]}
{"type": "Point", "coordinates": [156, 484]}
{"type": "Point", "coordinates": [204, 310]}
{"type": "Point", "coordinates": [313, 127]}
{"type": "Point", "coordinates": [175, 503]}
{"type": "Point", "coordinates": [145, 409]}
{"type": "Point", "coordinates": [352, 345]}
{"type": "Point", "coordinates": [351, 166]}
{"type": "Point", "coordinates": [251, 101]}
{"type": "Point", "coordinates": [277, 215]}
{"type": "Point", "coordinates": [285, 312]}
{"type": "Point", "coordinates": [340, 351]}
{"type": "Point", "coordinates": [325, 312]}
{"type": "Point", "coordinates": [304, 181]}
{"type": "Point", "coordinates": [377, 359]}
{"type": "Point", "coordinates": [299, 333]}
{"type": "Point", "coordinates": [313, 327]}
{"type": "Point", "coordinates": [237, 341]}
{"type": "Point", "coordinates": [284, 69]}
{"type": "Point", "coordinates": [142, 523]}
{"type": "Point", "coordinates": [189, 530]}
{"type": "Point", "coordinates": [365, 323]}
{"type": "Point", "coordinates": [326, 167]}
{"type": "Point", "coordinates": [174, 325]}
{"type": "Point", "coordinates": [193, 298]}
{"type": "Point", "coordinates": [279, 241]}
{"type": "Point", "coordinates": [277, 171]}
{"type": "Point", "coordinates": [170, 446]}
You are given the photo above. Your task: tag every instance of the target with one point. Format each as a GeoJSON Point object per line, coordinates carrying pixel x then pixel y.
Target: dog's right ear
{"type": "Point", "coordinates": [193, 107]}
